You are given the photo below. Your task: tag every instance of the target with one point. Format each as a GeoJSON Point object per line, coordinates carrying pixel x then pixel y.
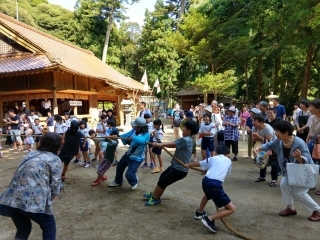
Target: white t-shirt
{"type": "Point", "coordinates": [208, 128]}
{"type": "Point", "coordinates": [84, 132]}
{"type": "Point", "coordinates": [150, 127]}
{"type": "Point", "coordinates": [46, 104]}
{"type": "Point", "coordinates": [32, 118]}
{"type": "Point", "coordinates": [158, 133]}
{"type": "Point", "coordinates": [61, 127]}
{"type": "Point", "coordinates": [100, 128]}
{"type": "Point", "coordinates": [37, 129]}
{"type": "Point", "coordinates": [218, 167]}
{"type": "Point", "coordinates": [68, 122]}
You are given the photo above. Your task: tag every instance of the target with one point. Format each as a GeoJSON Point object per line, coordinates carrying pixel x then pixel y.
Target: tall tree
{"type": "Point", "coordinates": [116, 9]}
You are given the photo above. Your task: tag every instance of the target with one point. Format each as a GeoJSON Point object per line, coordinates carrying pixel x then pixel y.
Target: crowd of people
{"type": "Point", "coordinates": [219, 131]}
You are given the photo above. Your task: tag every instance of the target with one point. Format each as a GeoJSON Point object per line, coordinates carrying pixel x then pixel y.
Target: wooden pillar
{"type": "Point", "coordinates": [75, 108]}
{"type": "Point", "coordinates": [205, 98]}
{"type": "Point", "coordinates": [54, 93]}
{"type": "Point", "coordinates": [26, 97]}
{"type": "Point", "coordinates": [121, 113]}
{"type": "Point", "coordinates": [1, 110]}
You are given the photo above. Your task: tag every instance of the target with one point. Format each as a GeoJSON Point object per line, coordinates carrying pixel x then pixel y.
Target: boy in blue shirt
{"type": "Point", "coordinates": [217, 168]}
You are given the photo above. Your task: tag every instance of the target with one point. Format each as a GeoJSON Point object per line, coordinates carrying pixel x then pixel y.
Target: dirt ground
{"type": "Point", "coordinates": [87, 212]}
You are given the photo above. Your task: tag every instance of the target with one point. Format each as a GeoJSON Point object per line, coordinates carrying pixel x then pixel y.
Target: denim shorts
{"type": "Point", "coordinates": [15, 138]}
{"type": "Point", "coordinates": [213, 190]}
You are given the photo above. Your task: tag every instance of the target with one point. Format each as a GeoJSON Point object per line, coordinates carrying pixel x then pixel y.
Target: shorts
{"type": "Point", "coordinates": [169, 176]}
{"type": "Point", "coordinates": [65, 158]}
{"type": "Point", "coordinates": [37, 138]}
{"type": "Point", "coordinates": [207, 143]}
{"type": "Point", "coordinates": [156, 150]}
{"type": "Point", "coordinates": [15, 138]}
{"type": "Point", "coordinates": [85, 148]}
{"type": "Point", "coordinates": [213, 190]}
{"type": "Point", "coordinates": [104, 166]}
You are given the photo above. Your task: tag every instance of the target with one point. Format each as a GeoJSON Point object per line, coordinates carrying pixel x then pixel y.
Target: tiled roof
{"type": "Point", "coordinates": [24, 62]}
{"type": "Point", "coordinates": [188, 92]}
{"type": "Point", "coordinates": [68, 57]}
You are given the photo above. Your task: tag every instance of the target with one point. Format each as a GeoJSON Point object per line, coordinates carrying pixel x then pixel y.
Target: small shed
{"type": "Point", "coordinates": [191, 96]}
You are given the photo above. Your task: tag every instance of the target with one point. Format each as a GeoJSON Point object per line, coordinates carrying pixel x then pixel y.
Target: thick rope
{"type": "Point", "coordinates": [235, 232]}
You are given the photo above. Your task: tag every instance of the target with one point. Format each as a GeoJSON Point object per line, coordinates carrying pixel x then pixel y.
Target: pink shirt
{"type": "Point", "coordinates": [245, 116]}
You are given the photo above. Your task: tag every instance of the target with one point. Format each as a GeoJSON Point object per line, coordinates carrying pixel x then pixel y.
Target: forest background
{"type": "Point", "coordinates": [243, 49]}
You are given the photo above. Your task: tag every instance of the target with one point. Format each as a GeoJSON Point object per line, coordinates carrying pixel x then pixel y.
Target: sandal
{"type": "Point", "coordinates": [96, 182]}
{"type": "Point", "coordinates": [259, 179]}
{"type": "Point", "coordinates": [273, 184]}
{"type": "Point", "coordinates": [104, 178]}
{"type": "Point", "coordinates": [318, 192]}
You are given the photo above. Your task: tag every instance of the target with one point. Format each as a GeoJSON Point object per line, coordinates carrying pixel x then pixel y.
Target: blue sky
{"type": "Point", "coordinates": [135, 12]}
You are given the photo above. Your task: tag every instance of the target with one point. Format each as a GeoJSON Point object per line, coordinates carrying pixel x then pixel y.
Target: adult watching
{"type": "Point", "coordinates": [291, 149]}
{"type": "Point", "coordinates": [13, 121]}
{"type": "Point", "coordinates": [35, 184]}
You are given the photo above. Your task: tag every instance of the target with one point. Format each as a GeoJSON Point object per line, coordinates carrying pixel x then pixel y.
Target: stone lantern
{"type": "Point", "coordinates": [271, 97]}
{"type": "Point", "coordinates": [127, 109]}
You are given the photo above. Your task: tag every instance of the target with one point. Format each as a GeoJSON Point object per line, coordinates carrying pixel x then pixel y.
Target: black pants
{"type": "Point", "coordinates": [234, 145]}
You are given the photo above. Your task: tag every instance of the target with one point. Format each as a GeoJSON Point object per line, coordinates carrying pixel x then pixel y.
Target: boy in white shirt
{"type": "Point", "coordinates": [37, 130]}
{"type": "Point", "coordinates": [217, 168]}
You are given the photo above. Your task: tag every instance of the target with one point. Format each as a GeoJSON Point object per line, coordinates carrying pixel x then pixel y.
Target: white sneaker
{"type": "Point", "coordinates": [135, 186]}
{"type": "Point", "coordinates": [82, 164]}
{"type": "Point", "coordinates": [97, 166]}
{"type": "Point", "coordinates": [87, 165]}
{"type": "Point", "coordinates": [26, 151]}
{"type": "Point", "coordinates": [114, 184]}
{"type": "Point", "coordinates": [1, 154]}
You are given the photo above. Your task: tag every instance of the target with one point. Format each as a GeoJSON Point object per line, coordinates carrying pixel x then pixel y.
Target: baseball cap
{"type": "Point", "coordinates": [189, 114]}
{"type": "Point", "coordinates": [147, 115]}
{"type": "Point", "coordinates": [232, 109]}
{"type": "Point", "coordinates": [255, 110]}
{"type": "Point", "coordinates": [138, 122]}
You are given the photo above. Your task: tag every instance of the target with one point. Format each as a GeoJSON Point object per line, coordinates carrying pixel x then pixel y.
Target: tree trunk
{"type": "Point", "coordinates": [246, 78]}
{"type": "Point", "coordinates": [106, 42]}
{"type": "Point", "coordinates": [277, 72]}
{"type": "Point", "coordinates": [259, 76]}
{"type": "Point", "coordinates": [182, 9]}
{"type": "Point", "coordinates": [307, 71]}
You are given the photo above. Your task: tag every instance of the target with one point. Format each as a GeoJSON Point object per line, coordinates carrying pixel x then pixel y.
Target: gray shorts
{"type": "Point", "coordinates": [15, 138]}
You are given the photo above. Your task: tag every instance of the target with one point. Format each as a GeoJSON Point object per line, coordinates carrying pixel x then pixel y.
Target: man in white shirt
{"type": "Point", "coordinates": [46, 104]}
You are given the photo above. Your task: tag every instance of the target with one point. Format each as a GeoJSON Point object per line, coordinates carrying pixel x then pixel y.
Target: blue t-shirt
{"type": "Point", "coordinates": [280, 111]}
{"type": "Point", "coordinates": [183, 152]}
{"type": "Point", "coordinates": [249, 122]}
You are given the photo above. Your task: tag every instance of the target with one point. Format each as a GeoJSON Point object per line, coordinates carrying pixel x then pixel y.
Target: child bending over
{"type": "Point", "coordinates": [217, 168]}
{"type": "Point", "coordinates": [176, 171]}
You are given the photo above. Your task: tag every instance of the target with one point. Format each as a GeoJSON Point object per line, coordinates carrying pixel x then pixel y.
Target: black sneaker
{"type": "Point", "coordinates": [115, 163]}
{"type": "Point", "coordinates": [209, 224]}
{"type": "Point", "coordinates": [93, 160]}
{"type": "Point", "coordinates": [235, 159]}
{"type": "Point", "coordinates": [76, 161]}
{"type": "Point", "coordinates": [198, 215]}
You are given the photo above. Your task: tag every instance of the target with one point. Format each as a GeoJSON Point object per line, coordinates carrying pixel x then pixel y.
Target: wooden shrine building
{"type": "Point", "coordinates": [35, 66]}
{"type": "Point", "coordinates": [191, 96]}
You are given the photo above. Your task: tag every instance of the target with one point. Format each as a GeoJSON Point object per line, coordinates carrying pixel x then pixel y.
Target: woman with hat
{"type": "Point", "coordinates": [135, 154]}
{"type": "Point", "coordinates": [231, 132]}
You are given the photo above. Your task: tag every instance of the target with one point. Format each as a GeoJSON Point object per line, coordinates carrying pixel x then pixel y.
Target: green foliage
{"type": "Point", "coordinates": [218, 84]}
